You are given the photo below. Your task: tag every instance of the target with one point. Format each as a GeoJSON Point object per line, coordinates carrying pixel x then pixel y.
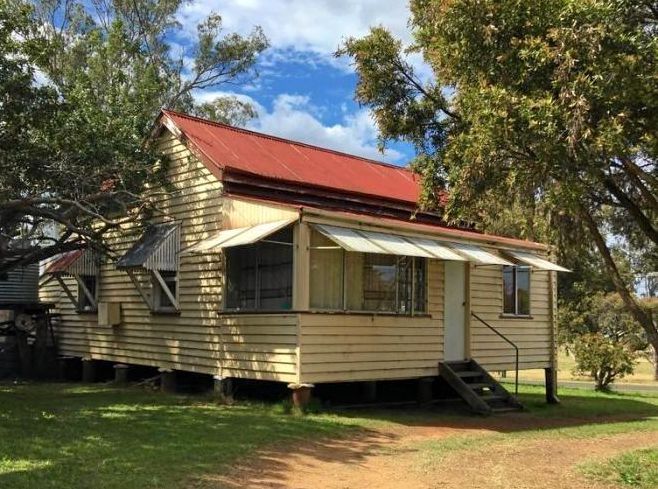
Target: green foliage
{"type": "Point", "coordinates": [81, 84]}
{"type": "Point", "coordinates": [637, 468]}
{"type": "Point", "coordinates": [603, 358]}
{"type": "Point", "coordinates": [549, 107]}
{"type": "Point", "coordinates": [604, 338]}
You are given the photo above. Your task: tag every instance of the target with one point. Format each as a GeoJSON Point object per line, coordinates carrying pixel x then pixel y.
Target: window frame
{"type": "Point", "coordinates": [82, 299]}
{"type": "Point", "coordinates": [157, 292]}
{"type": "Point", "coordinates": [397, 312]}
{"type": "Point", "coordinates": [516, 313]}
{"type": "Point", "coordinates": [257, 279]}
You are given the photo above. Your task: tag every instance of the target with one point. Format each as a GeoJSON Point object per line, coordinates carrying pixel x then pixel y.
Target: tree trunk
{"type": "Point", "coordinates": [637, 311]}
{"type": "Point", "coordinates": [655, 363]}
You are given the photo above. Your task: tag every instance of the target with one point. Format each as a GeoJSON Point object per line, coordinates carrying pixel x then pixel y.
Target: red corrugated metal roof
{"type": "Point", "coordinates": [64, 261]}
{"type": "Point", "coordinates": [232, 149]}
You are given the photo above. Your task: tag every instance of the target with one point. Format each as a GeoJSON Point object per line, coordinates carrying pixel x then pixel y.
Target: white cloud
{"type": "Point", "coordinates": [297, 28]}
{"type": "Point", "coordinates": [295, 117]}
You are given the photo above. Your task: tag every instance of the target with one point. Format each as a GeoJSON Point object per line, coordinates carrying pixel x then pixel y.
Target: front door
{"type": "Point", "coordinates": [454, 311]}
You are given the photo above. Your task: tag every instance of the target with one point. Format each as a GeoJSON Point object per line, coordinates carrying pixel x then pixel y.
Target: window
{"type": "Point", "coordinates": [341, 280]}
{"type": "Point", "coordinates": [259, 276]}
{"type": "Point", "coordinates": [161, 300]}
{"type": "Point", "coordinates": [85, 303]}
{"type": "Point", "coordinates": [327, 273]}
{"type": "Point", "coordinates": [516, 290]}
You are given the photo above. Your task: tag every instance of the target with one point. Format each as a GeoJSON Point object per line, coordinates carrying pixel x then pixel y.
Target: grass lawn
{"type": "Point", "coordinates": [638, 468]}
{"type": "Point", "coordinates": [81, 436]}
{"type": "Point", "coordinates": [643, 373]}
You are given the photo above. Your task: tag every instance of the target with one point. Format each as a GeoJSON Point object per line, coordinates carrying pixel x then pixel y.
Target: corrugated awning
{"type": "Point", "coordinates": [358, 240]}
{"type": "Point", "coordinates": [77, 262]}
{"type": "Point", "coordinates": [156, 249]}
{"type": "Point", "coordinates": [239, 236]}
{"type": "Point", "coordinates": [479, 255]}
{"type": "Point", "coordinates": [536, 261]}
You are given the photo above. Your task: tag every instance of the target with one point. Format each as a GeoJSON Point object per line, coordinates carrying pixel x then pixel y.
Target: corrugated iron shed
{"type": "Point", "coordinates": [230, 149]}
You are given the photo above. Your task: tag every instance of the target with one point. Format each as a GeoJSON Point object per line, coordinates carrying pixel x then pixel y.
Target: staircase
{"type": "Point", "coordinates": [484, 394]}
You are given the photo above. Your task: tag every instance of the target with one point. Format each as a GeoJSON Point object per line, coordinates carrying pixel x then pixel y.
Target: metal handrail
{"type": "Point", "coordinates": [516, 349]}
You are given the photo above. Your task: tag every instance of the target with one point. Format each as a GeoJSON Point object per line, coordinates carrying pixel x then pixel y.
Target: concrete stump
{"type": "Point", "coordinates": [424, 393]}
{"type": "Point", "coordinates": [223, 388]}
{"type": "Point", "coordinates": [167, 381]}
{"type": "Point", "coordinates": [121, 373]}
{"type": "Point", "coordinates": [88, 370]}
{"type": "Point", "coordinates": [370, 391]}
{"type": "Point", "coordinates": [301, 394]}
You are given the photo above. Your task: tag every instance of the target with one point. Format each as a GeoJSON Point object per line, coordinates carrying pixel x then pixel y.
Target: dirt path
{"type": "Point", "coordinates": [392, 458]}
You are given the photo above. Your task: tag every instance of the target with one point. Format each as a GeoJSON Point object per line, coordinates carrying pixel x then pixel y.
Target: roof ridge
{"type": "Point", "coordinates": [284, 140]}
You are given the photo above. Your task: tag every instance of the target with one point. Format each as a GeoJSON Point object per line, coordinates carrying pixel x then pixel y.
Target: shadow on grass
{"type": "Point", "coordinates": [74, 436]}
{"type": "Point", "coordinates": [71, 436]}
{"type": "Point", "coordinates": [578, 408]}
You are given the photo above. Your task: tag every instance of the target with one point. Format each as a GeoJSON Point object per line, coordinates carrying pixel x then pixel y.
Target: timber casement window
{"type": "Point", "coordinates": [259, 276]}
{"type": "Point", "coordinates": [516, 290]}
{"type": "Point", "coordinates": [365, 282]}
{"type": "Point", "coordinates": [155, 254]}
{"type": "Point", "coordinates": [87, 293]}
{"type": "Point", "coordinates": [165, 291]}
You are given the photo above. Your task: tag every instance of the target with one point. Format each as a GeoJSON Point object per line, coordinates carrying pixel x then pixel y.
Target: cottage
{"type": "Point", "coordinates": [281, 261]}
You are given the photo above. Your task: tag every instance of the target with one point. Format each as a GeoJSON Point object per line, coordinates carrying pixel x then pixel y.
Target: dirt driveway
{"type": "Point", "coordinates": [395, 457]}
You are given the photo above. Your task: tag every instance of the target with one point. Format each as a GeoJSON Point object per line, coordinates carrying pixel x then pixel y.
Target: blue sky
{"type": "Point", "coordinates": [303, 92]}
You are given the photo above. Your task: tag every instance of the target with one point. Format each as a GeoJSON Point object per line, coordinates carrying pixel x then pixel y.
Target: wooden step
{"type": "Point", "coordinates": [482, 392]}
{"type": "Point", "coordinates": [492, 397]}
{"type": "Point", "coordinates": [468, 373]}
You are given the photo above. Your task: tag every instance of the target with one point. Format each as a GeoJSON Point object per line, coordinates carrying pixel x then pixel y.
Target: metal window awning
{"type": "Point", "coordinates": [77, 262]}
{"type": "Point", "coordinates": [238, 236]}
{"type": "Point", "coordinates": [479, 255]}
{"type": "Point", "coordinates": [362, 241]}
{"type": "Point", "coordinates": [536, 261]}
{"type": "Point", "coordinates": [156, 249]}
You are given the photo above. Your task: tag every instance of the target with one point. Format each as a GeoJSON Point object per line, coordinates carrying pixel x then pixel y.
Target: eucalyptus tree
{"type": "Point", "coordinates": [80, 86]}
{"type": "Point", "coordinates": [549, 105]}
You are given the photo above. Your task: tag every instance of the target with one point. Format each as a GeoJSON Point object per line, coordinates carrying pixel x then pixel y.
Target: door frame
{"type": "Point", "coordinates": [465, 267]}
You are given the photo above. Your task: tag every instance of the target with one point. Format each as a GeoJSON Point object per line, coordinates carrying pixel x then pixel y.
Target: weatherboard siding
{"type": "Point", "coordinates": [533, 335]}
{"type": "Point", "coordinates": [353, 347]}
{"type": "Point", "coordinates": [296, 346]}
{"type": "Point", "coordinates": [196, 339]}
{"type": "Point", "coordinates": [186, 341]}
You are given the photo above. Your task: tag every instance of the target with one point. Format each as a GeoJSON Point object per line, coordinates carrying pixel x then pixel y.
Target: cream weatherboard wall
{"type": "Point", "coordinates": [533, 335]}
{"type": "Point", "coordinates": [346, 347]}
{"type": "Point", "coordinates": [196, 339]}
{"type": "Point", "coordinates": [295, 346]}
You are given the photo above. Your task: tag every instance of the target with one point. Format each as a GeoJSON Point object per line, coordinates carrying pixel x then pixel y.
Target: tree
{"type": "Point", "coordinates": [82, 83]}
{"type": "Point", "coordinates": [602, 359]}
{"type": "Point", "coordinates": [551, 104]}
